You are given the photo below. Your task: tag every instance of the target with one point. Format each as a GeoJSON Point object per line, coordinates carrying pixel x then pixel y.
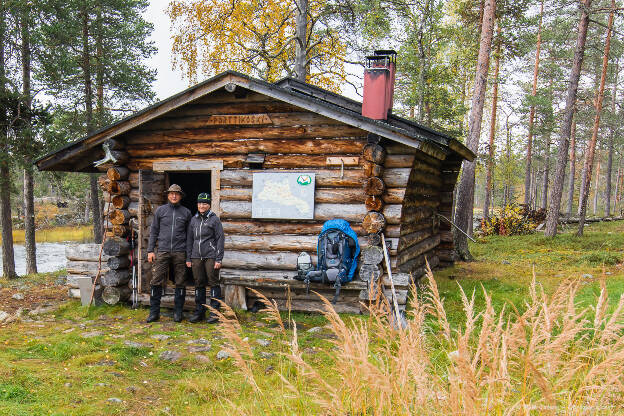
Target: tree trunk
{"type": "Point", "coordinates": [99, 70]}
{"type": "Point", "coordinates": [597, 187]}
{"type": "Point", "coordinates": [618, 180]}
{"type": "Point", "coordinates": [544, 201]}
{"type": "Point", "coordinates": [29, 203]}
{"type": "Point", "coordinates": [465, 194]}
{"type": "Point", "coordinates": [582, 184]}
{"type": "Point", "coordinates": [529, 154]}
{"type": "Point", "coordinates": [301, 41]}
{"type": "Point", "coordinates": [589, 160]}
{"type": "Point", "coordinates": [490, 165]}
{"type": "Point", "coordinates": [8, 259]}
{"type": "Point", "coordinates": [86, 68]}
{"type": "Point", "coordinates": [608, 173]}
{"type": "Point", "coordinates": [552, 217]}
{"type": "Point", "coordinates": [572, 167]}
{"type": "Point", "coordinates": [508, 179]}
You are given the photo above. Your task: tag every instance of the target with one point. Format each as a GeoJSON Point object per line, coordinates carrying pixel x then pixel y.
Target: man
{"type": "Point", "coordinates": [169, 230]}
{"type": "Point", "coordinates": [204, 252]}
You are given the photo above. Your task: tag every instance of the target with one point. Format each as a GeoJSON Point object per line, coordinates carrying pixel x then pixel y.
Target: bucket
{"type": "Point", "coordinates": [85, 284]}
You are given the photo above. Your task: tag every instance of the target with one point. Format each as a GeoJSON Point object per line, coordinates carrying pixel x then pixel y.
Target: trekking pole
{"type": "Point", "coordinates": [457, 227]}
{"type": "Point", "coordinates": [394, 298]}
{"type": "Point", "coordinates": [135, 294]}
{"type": "Point", "coordinates": [99, 272]}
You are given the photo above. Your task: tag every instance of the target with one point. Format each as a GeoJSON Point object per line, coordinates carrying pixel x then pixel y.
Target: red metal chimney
{"type": "Point", "coordinates": [379, 76]}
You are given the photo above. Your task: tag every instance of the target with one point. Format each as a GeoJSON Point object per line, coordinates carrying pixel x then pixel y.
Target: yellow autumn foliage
{"type": "Point", "coordinates": [254, 37]}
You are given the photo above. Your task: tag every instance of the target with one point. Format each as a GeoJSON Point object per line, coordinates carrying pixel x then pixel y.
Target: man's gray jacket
{"type": "Point", "coordinates": [169, 228]}
{"type": "Point", "coordinates": [205, 237]}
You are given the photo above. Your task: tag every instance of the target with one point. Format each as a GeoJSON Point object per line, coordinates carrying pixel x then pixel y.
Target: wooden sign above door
{"type": "Point", "coordinates": [240, 119]}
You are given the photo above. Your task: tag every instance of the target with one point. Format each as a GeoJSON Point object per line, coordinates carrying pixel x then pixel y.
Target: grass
{"type": "Point", "coordinates": [83, 233]}
{"type": "Point", "coordinates": [73, 360]}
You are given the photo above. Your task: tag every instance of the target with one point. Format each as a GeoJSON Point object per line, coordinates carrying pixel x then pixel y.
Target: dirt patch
{"type": "Point", "coordinates": [33, 297]}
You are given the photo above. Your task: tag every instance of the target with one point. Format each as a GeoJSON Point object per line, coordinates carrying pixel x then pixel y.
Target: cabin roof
{"type": "Point", "coordinates": [289, 90]}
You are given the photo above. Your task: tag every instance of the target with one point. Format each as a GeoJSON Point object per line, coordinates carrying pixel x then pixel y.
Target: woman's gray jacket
{"type": "Point", "coordinates": [204, 238]}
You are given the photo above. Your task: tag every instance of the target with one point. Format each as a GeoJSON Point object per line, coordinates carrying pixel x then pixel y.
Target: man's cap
{"type": "Point", "coordinates": [175, 188]}
{"type": "Point", "coordinates": [203, 197]}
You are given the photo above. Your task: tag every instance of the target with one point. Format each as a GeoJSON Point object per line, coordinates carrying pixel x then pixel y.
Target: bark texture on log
{"type": "Point", "coordinates": [116, 247]}
{"type": "Point", "coordinates": [117, 173]}
{"type": "Point", "coordinates": [115, 295]}
{"type": "Point", "coordinates": [374, 222]}
{"type": "Point", "coordinates": [115, 277]}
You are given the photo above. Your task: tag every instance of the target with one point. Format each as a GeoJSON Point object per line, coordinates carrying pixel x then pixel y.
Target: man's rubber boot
{"type": "Point", "coordinates": [215, 293]}
{"type": "Point", "coordinates": [178, 303]}
{"type": "Point", "coordinates": [155, 296]}
{"type": "Point", "coordinates": [200, 310]}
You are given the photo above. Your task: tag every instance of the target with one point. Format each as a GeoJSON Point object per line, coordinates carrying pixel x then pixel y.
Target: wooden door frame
{"type": "Point", "coordinates": [197, 165]}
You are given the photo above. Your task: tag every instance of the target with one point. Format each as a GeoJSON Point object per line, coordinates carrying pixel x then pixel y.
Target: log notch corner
{"type": "Point", "coordinates": [118, 213]}
{"type": "Point", "coordinates": [374, 223]}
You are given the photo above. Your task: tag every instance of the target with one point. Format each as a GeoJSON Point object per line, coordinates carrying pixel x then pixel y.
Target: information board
{"type": "Point", "coordinates": [283, 195]}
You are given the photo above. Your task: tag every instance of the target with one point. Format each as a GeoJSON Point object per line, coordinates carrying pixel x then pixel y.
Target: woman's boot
{"type": "Point", "coordinates": [215, 293]}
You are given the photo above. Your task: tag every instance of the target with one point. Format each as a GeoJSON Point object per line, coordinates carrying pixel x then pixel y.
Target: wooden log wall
{"type": "Point", "coordinates": [450, 174]}
{"type": "Point", "coordinates": [119, 210]}
{"type": "Point", "coordinates": [419, 234]}
{"type": "Point", "coordinates": [390, 188]}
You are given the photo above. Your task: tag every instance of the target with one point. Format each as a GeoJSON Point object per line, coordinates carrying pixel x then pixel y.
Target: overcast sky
{"type": "Point", "coordinates": [168, 81]}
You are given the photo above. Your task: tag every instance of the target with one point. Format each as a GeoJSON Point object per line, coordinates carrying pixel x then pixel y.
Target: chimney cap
{"type": "Point", "coordinates": [386, 52]}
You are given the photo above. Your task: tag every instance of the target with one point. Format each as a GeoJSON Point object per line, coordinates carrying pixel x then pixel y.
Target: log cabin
{"type": "Point", "coordinates": [382, 173]}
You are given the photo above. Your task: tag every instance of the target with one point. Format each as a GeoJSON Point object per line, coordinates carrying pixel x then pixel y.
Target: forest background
{"type": "Point", "coordinates": [533, 87]}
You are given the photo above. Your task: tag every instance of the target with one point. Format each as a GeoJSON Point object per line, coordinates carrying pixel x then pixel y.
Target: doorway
{"type": "Point", "coordinates": [193, 184]}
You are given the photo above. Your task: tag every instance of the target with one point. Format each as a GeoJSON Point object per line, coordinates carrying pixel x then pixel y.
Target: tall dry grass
{"type": "Point", "coordinates": [551, 358]}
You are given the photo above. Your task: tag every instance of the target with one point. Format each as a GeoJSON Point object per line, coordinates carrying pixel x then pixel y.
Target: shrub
{"type": "Point", "coordinates": [512, 220]}
{"type": "Point", "coordinates": [552, 358]}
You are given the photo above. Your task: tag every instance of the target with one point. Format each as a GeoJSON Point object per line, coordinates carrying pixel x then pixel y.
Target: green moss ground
{"type": "Point", "coordinates": [71, 361]}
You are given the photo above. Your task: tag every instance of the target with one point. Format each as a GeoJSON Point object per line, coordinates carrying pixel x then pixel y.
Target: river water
{"type": "Point", "coordinates": [50, 257]}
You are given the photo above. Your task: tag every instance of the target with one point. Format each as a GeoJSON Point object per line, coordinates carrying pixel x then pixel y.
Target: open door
{"type": "Point", "coordinates": [151, 195]}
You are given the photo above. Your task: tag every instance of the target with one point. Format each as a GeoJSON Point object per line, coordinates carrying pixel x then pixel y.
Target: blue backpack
{"type": "Point", "coordinates": [337, 250]}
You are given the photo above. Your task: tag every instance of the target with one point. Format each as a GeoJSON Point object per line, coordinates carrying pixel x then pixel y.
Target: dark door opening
{"type": "Point", "coordinates": [192, 183]}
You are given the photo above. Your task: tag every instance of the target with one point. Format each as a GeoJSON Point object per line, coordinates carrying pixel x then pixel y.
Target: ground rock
{"type": "Point", "coordinates": [263, 342]}
{"type": "Point", "coordinates": [203, 358]}
{"type": "Point", "coordinates": [91, 334]}
{"type": "Point", "coordinates": [18, 296]}
{"type": "Point", "coordinates": [114, 400]}
{"type": "Point", "coordinates": [201, 341]}
{"type": "Point", "coordinates": [134, 344]}
{"type": "Point", "coordinates": [223, 354]}
{"type": "Point", "coordinates": [201, 348]}
{"type": "Point", "coordinates": [171, 356]}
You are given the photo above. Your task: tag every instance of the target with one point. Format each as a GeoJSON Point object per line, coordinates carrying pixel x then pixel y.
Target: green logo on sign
{"type": "Point", "coordinates": [304, 180]}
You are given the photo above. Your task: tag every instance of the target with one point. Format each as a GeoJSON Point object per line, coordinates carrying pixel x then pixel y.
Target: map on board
{"type": "Point", "coordinates": [283, 195]}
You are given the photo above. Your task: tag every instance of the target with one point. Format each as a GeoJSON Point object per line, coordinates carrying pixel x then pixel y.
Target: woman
{"type": "Point", "coordinates": [204, 252]}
